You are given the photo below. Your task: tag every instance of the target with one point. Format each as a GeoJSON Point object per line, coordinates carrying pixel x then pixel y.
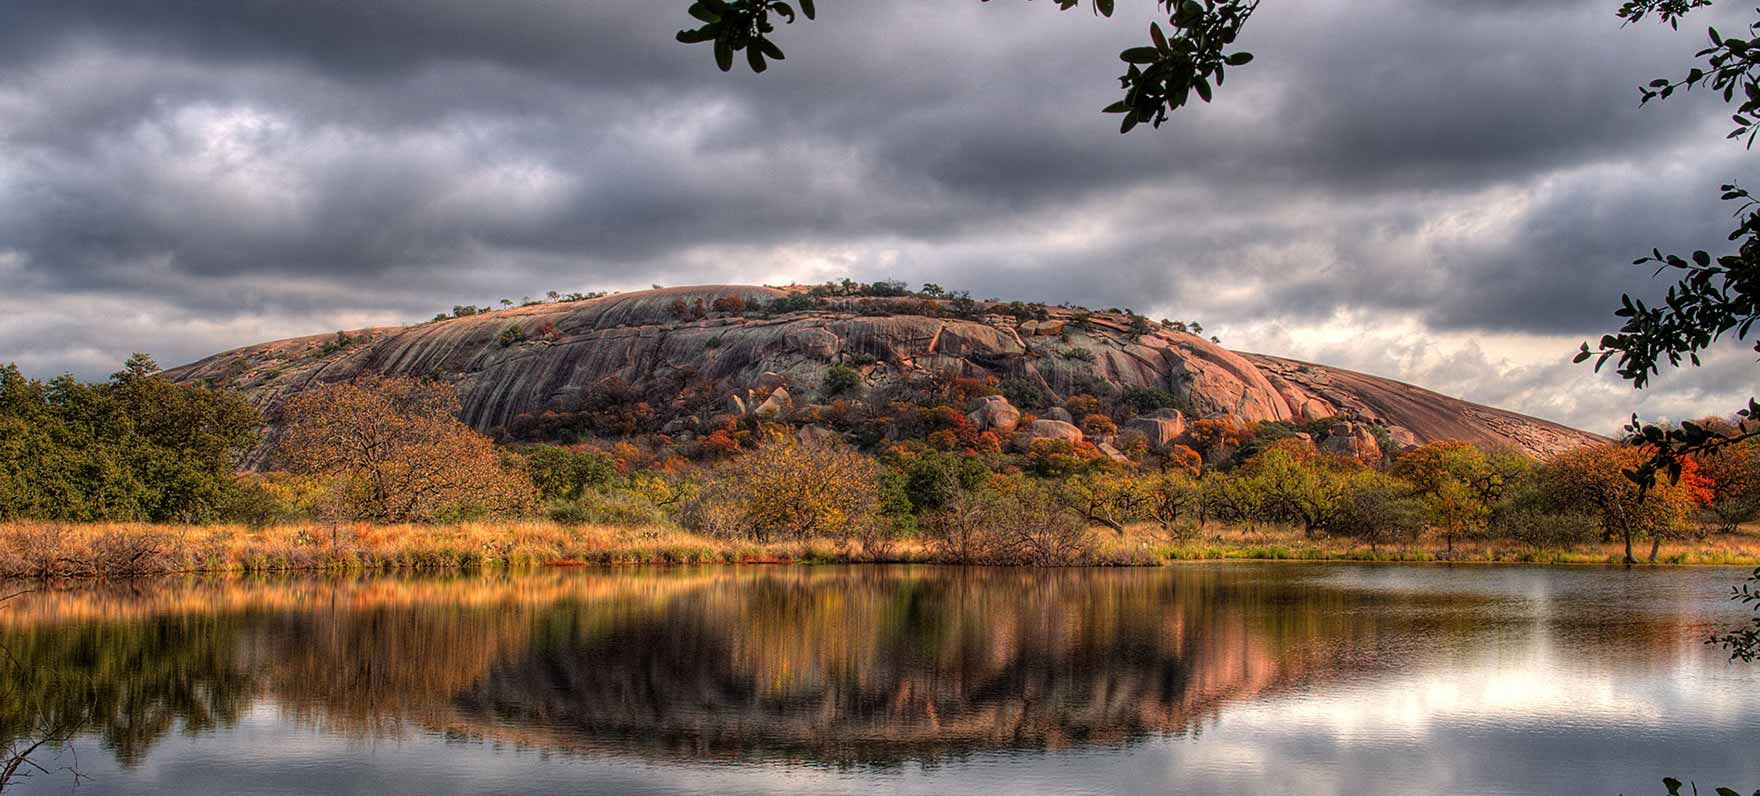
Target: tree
{"type": "Point", "coordinates": [1594, 478]}
{"type": "Point", "coordinates": [137, 447]}
{"type": "Point", "coordinates": [1733, 473]}
{"type": "Point", "coordinates": [397, 452]}
{"type": "Point", "coordinates": [791, 489]}
{"type": "Point", "coordinates": [1378, 511]}
{"type": "Point", "coordinates": [1297, 484]}
{"type": "Point", "coordinates": [1160, 76]}
{"type": "Point", "coordinates": [1110, 499]}
{"type": "Point", "coordinates": [1714, 296]}
{"type": "Point", "coordinates": [561, 473]}
{"type": "Point", "coordinates": [1459, 483]}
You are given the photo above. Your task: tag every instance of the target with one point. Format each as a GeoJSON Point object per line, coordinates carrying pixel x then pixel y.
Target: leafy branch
{"type": "Point", "coordinates": [1161, 76]}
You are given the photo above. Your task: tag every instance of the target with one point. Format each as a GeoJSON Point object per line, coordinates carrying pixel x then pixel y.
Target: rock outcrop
{"type": "Point", "coordinates": [995, 413]}
{"type": "Point", "coordinates": [526, 361]}
{"type": "Point", "coordinates": [1046, 429]}
{"type": "Point", "coordinates": [1160, 429]}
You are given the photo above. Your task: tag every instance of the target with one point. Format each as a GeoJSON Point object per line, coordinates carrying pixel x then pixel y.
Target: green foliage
{"type": "Point", "coordinates": [840, 379]}
{"type": "Point", "coordinates": [511, 335]}
{"type": "Point", "coordinates": [798, 302]}
{"type": "Point", "coordinates": [1143, 400]}
{"type": "Point", "coordinates": [735, 25]}
{"type": "Point", "coordinates": [567, 474]}
{"type": "Point", "coordinates": [934, 478]}
{"type": "Point", "coordinates": [1378, 512]}
{"type": "Point", "coordinates": [1163, 75]}
{"type": "Point", "coordinates": [1744, 643]}
{"type": "Point", "coordinates": [137, 447]}
{"type": "Point", "coordinates": [1023, 393]}
{"type": "Point", "coordinates": [620, 507]}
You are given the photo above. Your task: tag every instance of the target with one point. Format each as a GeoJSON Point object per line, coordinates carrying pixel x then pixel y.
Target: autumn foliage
{"type": "Point", "coordinates": [396, 452]}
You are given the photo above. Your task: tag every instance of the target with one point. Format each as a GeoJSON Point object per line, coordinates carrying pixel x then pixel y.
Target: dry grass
{"type": "Point", "coordinates": [55, 550]}
{"type": "Point", "coordinates": [1146, 545]}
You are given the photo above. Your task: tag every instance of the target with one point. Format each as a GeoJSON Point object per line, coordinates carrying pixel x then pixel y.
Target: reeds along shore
{"type": "Point", "coordinates": [121, 550]}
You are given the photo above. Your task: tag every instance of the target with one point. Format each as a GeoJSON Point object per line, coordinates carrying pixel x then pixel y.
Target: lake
{"type": "Point", "coordinates": [1223, 678]}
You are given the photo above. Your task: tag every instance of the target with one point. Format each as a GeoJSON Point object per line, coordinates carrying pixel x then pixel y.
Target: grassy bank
{"type": "Point", "coordinates": [126, 550]}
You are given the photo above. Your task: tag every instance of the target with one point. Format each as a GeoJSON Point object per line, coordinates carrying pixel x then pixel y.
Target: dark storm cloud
{"type": "Point", "coordinates": [257, 168]}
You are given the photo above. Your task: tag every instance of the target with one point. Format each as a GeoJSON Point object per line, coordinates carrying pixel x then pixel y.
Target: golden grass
{"type": "Point", "coordinates": [1145, 545]}
{"type": "Point", "coordinates": [31, 549]}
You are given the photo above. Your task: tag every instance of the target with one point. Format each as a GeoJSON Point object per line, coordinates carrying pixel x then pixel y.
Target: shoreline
{"type": "Point", "coordinates": [59, 551]}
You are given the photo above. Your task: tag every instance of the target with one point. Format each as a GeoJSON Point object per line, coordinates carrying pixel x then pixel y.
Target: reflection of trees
{"type": "Point", "coordinates": [129, 683]}
{"type": "Point", "coordinates": [872, 664]}
{"type": "Point", "coordinates": [822, 664]}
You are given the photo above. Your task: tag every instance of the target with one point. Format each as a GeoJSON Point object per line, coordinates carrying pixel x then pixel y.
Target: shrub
{"type": "Point", "coordinates": [965, 531]}
{"type": "Point", "coordinates": [1548, 529]}
{"type": "Point", "coordinates": [616, 507]}
{"type": "Point", "coordinates": [934, 478]}
{"type": "Point", "coordinates": [1040, 530]}
{"type": "Point", "coordinates": [840, 379]}
{"type": "Point", "coordinates": [565, 474]}
{"type": "Point", "coordinates": [788, 489]}
{"type": "Point", "coordinates": [1144, 400]}
{"type": "Point", "coordinates": [396, 451]}
{"type": "Point", "coordinates": [1058, 458]}
{"type": "Point", "coordinates": [1380, 514]}
{"type": "Point", "coordinates": [732, 304]}
{"type": "Point", "coordinates": [1098, 425]}
{"type": "Point", "coordinates": [1023, 393]}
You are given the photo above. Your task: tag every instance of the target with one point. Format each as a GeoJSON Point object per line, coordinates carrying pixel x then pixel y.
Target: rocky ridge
{"type": "Point", "coordinates": [532, 359]}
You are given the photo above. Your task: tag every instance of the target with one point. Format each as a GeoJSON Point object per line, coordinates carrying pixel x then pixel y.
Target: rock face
{"type": "Point", "coordinates": [1160, 428]}
{"type": "Point", "coordinates": [562, 353]}
{"type": "Point", "coordinates": [1353, 440]}
{"type": "Point", "coordinates": [1046, 429]}
{"type": "Point", "coordinates": [995, 413]}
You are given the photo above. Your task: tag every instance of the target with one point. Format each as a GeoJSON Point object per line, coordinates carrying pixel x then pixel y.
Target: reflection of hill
{"type": "Point", "coordinates": [819, 664]}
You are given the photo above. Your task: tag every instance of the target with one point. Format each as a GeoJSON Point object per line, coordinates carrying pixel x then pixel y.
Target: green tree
{"type": "Point", "coordinates": [137, 447]}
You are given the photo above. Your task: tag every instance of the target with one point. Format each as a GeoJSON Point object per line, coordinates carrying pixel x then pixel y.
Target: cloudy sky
{"type": "Point", "coordinates": [1443, 191]}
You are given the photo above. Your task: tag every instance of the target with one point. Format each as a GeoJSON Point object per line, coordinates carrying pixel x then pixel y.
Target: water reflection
{"type": "Point", "coordinates": [896, 669]}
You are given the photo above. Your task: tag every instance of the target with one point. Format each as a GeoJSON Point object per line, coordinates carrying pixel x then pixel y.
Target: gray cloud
{"type": "Point", "coordinates": [184, 176]}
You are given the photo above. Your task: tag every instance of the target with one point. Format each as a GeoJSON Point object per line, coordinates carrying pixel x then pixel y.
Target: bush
{"type": "Point", "coordinates": [789, 489]}
{"type": "Point", "coordinates": [1040, 530]}
{"type": "Point", "coordinates": [1548, 530]}
{"type": "Point", "coordinates": [964, 531]}
{"type": "Point", "coordinates": [840, 379]}
{"type": "Point", "coordinates": [933, 478]}
{"type": "Point", "coordinates": [1380, 514]}
{"type": "Point", "coordinates": [565, 474]}
{"type": "Point", "coordinates": [1023, 393]}
{"type": "Point", "coordinates": [1144, 400]}
{"type": "Point", "coordinates": [618, 507]}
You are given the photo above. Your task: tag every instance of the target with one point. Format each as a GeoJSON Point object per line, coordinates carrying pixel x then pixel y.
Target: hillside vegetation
{"type": "Point", "coordinates": [926, 461]}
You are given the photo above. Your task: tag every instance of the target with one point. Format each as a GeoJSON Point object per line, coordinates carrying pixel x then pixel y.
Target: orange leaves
{"type": "Point", "coordinates": [396, 452]}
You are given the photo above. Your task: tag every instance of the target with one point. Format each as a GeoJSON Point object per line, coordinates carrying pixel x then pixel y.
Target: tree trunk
{"type": "Point", "coordinates": [1655, 544]}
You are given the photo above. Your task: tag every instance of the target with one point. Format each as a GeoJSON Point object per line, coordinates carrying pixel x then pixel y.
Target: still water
{"type": "Point", "coordinates": [1201, 679]}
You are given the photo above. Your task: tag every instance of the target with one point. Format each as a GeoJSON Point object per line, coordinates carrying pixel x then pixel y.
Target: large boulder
{"type": "Point", "coordinates": [1159, 428]}
{"type": "Point", "coordinates": [776, 405]}
{"type": "Point", "coordinates": [1046, 429]}
{"type": "Point", "coordinates": [1059, 414]}
{"type": "Point", "coordinates": [1354, 440]}
{"type": "Point", "coordinates": [995, 413]}
{"type": "Point", "coordinates": [1403, 438]}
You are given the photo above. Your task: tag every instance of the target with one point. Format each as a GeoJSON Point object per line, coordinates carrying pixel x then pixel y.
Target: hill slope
{"type": "Point", "coordinates": [695, 352]}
